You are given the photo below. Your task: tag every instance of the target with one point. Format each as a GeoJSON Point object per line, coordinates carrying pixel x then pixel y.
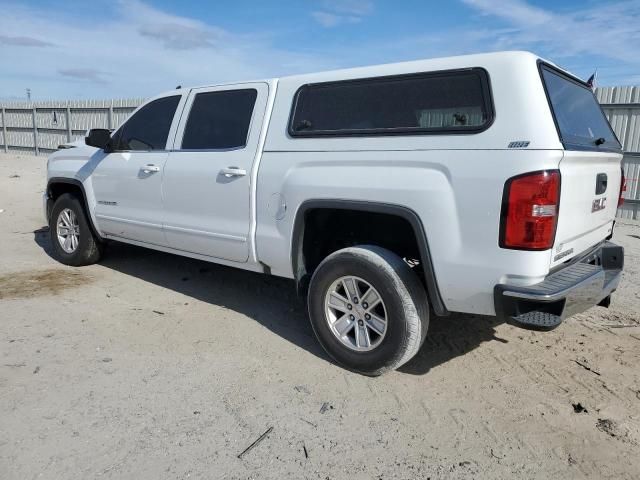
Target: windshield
{"type": "Point", "coordinates": [578, 115]}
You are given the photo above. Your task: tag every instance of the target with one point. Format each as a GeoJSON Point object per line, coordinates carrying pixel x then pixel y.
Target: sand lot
{"type": "Point", "coordinates": [151, 366]}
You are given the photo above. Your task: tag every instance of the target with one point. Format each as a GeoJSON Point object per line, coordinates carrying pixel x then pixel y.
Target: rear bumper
{"type": "Point", "coordinates": [573, 289]}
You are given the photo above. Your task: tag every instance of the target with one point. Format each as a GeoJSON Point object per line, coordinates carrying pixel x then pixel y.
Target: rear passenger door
{"type": "Point", "coordinates": [207, 178]}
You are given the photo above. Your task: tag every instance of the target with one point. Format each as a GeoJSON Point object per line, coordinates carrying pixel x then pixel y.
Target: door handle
{"type": "Point", "coordinates": [233, 172]}
{"type": "Point", "coordinates": [601, 183]}
{"type": "Point", "coordinates": [150, 168]}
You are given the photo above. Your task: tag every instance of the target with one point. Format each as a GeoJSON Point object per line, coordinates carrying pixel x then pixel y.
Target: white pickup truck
{"type": "Point", "coordinates": [485, 184]}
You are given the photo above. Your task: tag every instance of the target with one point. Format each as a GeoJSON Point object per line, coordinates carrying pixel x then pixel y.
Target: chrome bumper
{"type": "Point", "coordinates": [573, 289]}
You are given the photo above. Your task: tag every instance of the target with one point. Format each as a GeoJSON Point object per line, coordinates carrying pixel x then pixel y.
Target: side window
{"type": "Point", "coordinates": [423, 103]}
{"type": "Point", "coordinates": [148, 128]}
{"type": "Point", "coordinates": [219, 120]}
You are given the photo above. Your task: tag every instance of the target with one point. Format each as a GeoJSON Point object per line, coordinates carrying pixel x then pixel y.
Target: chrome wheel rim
{"type": "Point", "coordinates": [68, 230]}
{"type": "Point", "coordinates": [355, 313]}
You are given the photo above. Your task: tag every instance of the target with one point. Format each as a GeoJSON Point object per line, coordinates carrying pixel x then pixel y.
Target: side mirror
{"type": "Point", "coordinates": [99, 138]}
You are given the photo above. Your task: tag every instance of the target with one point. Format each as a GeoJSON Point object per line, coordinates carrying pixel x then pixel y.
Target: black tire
{"type": "Point", "coordinates": [89, 249]}
{"type": "Point", "coordinates": [404, 297]}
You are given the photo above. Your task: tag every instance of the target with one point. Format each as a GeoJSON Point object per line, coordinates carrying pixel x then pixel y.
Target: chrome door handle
{"type": "Point", "coordinates": [233, 172]}
{"type": "Point", "coordinates": [150, 168]}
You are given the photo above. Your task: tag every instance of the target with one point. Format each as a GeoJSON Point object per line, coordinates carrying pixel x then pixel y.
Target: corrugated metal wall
{"type": "Point", "coordinates": [622, 107]}
{"type": "Point", "coordinates": [40, 127]}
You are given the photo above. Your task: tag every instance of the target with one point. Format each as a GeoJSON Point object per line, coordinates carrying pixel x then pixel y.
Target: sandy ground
{"type": "Point", "coordinates": [152, 366]}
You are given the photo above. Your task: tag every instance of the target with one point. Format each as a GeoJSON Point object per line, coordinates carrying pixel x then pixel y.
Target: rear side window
{"type": "Point", "coordinates": [219, 120]}
{"type": "Point", "coordinates": [579, 118]}
{"type": "Point", "coordinates": [442, 102]}
{"type": "Point", "coordinates": [148, 128]}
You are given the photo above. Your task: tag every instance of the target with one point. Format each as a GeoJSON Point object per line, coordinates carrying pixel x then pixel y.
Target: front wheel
{"type": "Point", "coordinates": [74, 243]}
{"type": "Point", "coordinates": [368, 309]}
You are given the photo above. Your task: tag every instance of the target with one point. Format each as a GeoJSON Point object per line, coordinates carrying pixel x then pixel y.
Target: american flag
{"type": "Point", "coordinates": [592, 80]}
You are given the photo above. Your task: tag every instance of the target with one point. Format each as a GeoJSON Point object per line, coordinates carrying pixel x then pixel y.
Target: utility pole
{"type": "Point", "coordinates": [29, 94]}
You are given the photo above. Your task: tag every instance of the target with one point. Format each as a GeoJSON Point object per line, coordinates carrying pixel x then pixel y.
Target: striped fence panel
{"type": "Point", "coordinates": [40, 127]}
{"type": "Point", "coordinates": [621, 105]}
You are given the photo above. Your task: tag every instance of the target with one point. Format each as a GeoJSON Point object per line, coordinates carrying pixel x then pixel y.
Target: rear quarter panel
{"type": "Point", "coordinates": [456, 194]}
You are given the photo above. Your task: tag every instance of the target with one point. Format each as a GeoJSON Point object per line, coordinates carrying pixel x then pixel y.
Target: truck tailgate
{"type": "Point", "coordinates": [590, 167]}
{"type": "Point", "coordinates": [590, 186]}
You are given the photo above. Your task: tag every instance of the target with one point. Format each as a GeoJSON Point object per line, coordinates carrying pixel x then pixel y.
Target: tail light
{"type": "Point", "coordinates": [530, 211]}
{"type": "Point", "coordinates": [623, 188]}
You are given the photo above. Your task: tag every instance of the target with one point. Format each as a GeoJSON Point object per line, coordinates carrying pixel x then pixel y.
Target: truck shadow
{"type": "Point", "coordinates": [451, 337]}
{"type": "Point", "coordinates": [273, 302]}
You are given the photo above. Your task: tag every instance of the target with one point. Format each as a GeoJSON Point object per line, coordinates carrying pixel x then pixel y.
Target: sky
{"type": "Point", "coordinates": [112, 49]}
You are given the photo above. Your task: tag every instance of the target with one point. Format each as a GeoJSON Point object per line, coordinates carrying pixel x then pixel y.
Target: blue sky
{"type": "Point", "coordinates": [104, 49]}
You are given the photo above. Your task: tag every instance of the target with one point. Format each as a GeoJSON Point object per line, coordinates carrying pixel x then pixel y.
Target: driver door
{"type": "Point", "coordinates": [127, 182]}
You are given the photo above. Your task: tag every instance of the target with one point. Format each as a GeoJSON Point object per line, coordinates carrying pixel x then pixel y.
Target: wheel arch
{"type": "Point", "coordinates": [57, 186]}
{"type": "Point", "coordinates": [411, 217]}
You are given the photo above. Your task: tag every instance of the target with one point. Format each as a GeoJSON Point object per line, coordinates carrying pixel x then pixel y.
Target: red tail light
{"type": "Point", "coordinates": [623, 188]}
{"type": "Point", "coordinates": [530, 211]}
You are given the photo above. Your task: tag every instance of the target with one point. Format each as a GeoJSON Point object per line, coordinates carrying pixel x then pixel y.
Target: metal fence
{"type": "Point", "coordinates": [39, 128]}
{"type": "Point", "coordinates": [631, 207]}
{"type": "Point", "coordinates": [622, 107]}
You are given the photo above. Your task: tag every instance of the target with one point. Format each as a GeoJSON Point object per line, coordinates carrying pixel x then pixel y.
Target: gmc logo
{"type": "Point", "coordinates": [598, 204]}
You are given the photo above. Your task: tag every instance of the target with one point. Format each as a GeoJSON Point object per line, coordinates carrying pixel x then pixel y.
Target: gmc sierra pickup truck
{"type": "Point", "coordinates": [485, 184]}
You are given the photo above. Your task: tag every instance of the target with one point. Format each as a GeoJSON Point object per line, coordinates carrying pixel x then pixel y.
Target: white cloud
{"type": "Point", "coordinates": [349, 7]}
{"type": "Point", "coordinates": [136, 51]}
{"type": "Point", "coordinates": [179, 37]}
{"type": "Point", "coordinates": [173, 31]}
{"type": "Point", "coordinates": [86, 74]}
{"type": "Point", "coordinates": [21, 41]}
{"type": "Point", "coordinates": [601, 35]}
{"type": "Point", "coordinates": [330, 20]}
{"type": "Point", "coordinates": [139, 50]}
{"type": "Point", "coordinates": [608, 29]}
{"type": "Point", "coordinates": [338, 12]}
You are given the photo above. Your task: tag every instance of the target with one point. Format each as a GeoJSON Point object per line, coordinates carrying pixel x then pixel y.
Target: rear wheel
{"type": "Point", "coordinates": [74, 243]}
{"type": "Point", "coordinates": [368, 309]}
